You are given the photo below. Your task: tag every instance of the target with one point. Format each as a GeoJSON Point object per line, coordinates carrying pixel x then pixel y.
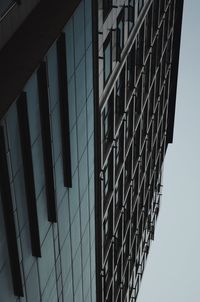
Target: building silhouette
{"type": "Point", "coordinates": [88, 94]}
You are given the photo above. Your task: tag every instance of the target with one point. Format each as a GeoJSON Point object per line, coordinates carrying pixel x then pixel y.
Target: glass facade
{"type": "Point", "coordinates": [59, 263]}
{"type": "Point", "coordinates": [134, 123]}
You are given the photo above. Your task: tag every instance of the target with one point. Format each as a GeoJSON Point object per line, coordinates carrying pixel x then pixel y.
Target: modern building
{"type": "Point", "coordinates": [87, 105]}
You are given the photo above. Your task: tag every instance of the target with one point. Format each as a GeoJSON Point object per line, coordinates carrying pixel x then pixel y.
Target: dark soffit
{"type": "Point", "coordinates": [28, 46]}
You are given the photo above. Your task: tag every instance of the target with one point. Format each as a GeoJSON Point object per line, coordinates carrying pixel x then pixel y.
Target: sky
{"type": "Point", "coordinates": [172, 272]}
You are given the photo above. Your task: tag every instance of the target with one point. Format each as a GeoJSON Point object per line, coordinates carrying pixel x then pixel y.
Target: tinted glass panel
{"type": "Point", "coordinates": [107, 55]}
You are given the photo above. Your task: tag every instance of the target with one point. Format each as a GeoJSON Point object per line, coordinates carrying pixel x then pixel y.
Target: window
{"type": "Point", "coordinates": [128, 169]}
{"type": "Point", "coordinates": [131, 14]}
{"type": "Point", "coordinates": [131, 70]}
{"type": "Point", "coordinates": [166, 26]}
{"type": "Point", "coordinates": [151, 101]}
{"type": "Point", "coordinates": [127, 211]}
{"type": "Point", "coordinates": [140, 5]}
{"type": "Point", "coordinates": [134, 223]}
{"type": "Point", "coordinates": [108, 176]}
{"type": "Point", "coordinates": [107, 226]}
{"type": "Point", "coordinates": [136, 150]}
{"type": "Point", "coordinates": [145, 119]}
{"type": "Point", "coordinates": [117, 278]}
{"type": "Point", "coordinates": [138, 101]}
{"type": "Point", "coordinates": [169, 52]}
{"type": "Point", "coordinates": [155, 16]}
{"type": "Point", "coordinates": [146, 78]}
{"type": "Point", "coordinates": [160, 44]}
{"type": "Point", "coordinates": [133, 252]}
{"type": "Point", "coordinates": [119, 197]}
{"type": "Point", "coordinates": [156, 121]}
{"type": "Point", "coordinates": [129, 124]}
{"type": "Point", "coordinates": [107, 6]}
{"type": "Point", "coordinates": [110, 295]}
{"type": "Point", "coordinates": [171, 18]}
{"type": "Point", "coordinates": [107, 121]}
{"type": "Point", "coordinates": [108, 270]}
{"type": "Point", "coordinates": [158, 84]}
{"type": "Point", "coordinates": [153, 59]}
{"type": "Point", "coordinates": [118, 242]}
{"type": "Point", "coordinates": [120, 96]}
{"type": "Point", "coordinates": [120, 34]}
{"type": "Point", "coordinates": [107, 58]}
{"type": "Point", "coordinates": [162, 8]}
{"type": "Point", "coordinates": [148, 31]}
{"type": "Point", "coordinates": [119, 149]}
{"type": "Point", "coordinates": [143, 162]}
{"type": "Point", "coordinates": [140, 50]}
{"type": "Point", "coordinates": [126, 250]}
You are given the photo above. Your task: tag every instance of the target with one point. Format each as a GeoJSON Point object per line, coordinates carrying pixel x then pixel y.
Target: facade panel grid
{"type": "Point", "coordinates": [67, 244]}
{"type": "Point", "coordinates": [138, 142]}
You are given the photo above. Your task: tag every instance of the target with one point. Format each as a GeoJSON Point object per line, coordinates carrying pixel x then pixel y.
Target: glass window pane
{"type": "Point", "coordinates": [80, 86]}
{"type": "Point", "coordinates": [32, 93]}
{"type": "Point", "coordinates": [83, 173]}
{"type": "Point", "coordinates": [79, 31]}
{"type": "Point", "coordinates": [88, 23]}
{"type": "Point", "coordinates": [53, 76]}
{"type": "Point", "coordinates": [82, 133]}
{"type": "Point", "coordinates": [75, 234]}
{"type": "Point", "coordinates": [38, 165]}
{"type": "Point", "coordinates": [89, 73]}
{"type": "Point", "coordinates": [69, 48]}
{"type": "Point", "coordinates": [14, 139]}
{"type": "Point", "coordinates": [107, 58]}
{"type": "Point", "coordinates": [71, 102]}
{"type": "Point", "coordinates": [73, 146]}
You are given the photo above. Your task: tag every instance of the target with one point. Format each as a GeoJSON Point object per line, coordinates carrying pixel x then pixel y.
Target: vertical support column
{"type": "Point", "coordinates": [28, 174]}
{"type": "Point", "coordinates": [7, 205]}
{"type": "Point", "coordinates": [64, 110]}
{"type": "Point", "coordinates": [46, 140]}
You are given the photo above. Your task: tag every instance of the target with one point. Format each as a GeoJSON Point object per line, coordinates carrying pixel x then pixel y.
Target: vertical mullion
{"type": "Point", "coordinates": [9, 219]}
{"type": "Point", "coordinates": [28, 173]}
{"type": "Point", "coordinates": [46, 140]}
{"type": "Point", "coordinates": [64, 110]}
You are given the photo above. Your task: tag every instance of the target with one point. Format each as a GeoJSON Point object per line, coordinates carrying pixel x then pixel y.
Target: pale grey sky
{"type": "Point", "coordinates": [172, 272]}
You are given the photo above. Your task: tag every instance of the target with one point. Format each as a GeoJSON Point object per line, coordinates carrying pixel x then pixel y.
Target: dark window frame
{"type": "Point", "coordinates": [120, 35]}
{"type": "Point", "coordinates": [140, 6]}
{"type": "Point", "coordinates": [107, 43]}
{"type": "Point", "coordinates": [108, 123]}
{"type": "Point", "coordinates": [131, 15]}
{"type": "Point", "coordinates": [107, 7]}
{"type": "Point", "coordinates": [131, 64]}
{"type": "Point", "coordinates": [120, 97]}
{"type": "Point", "coordinates": [108, 177]}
